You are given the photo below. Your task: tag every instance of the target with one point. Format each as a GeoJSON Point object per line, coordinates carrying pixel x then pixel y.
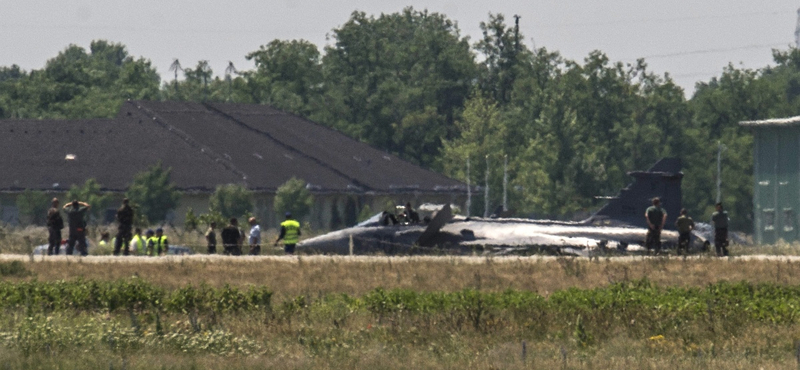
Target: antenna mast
{"type": "Point", "coordinates": [720, 148]}
{"type": "Point", "coordinates": [486, 191]}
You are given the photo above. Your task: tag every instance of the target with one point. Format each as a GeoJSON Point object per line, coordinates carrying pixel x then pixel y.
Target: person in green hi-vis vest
{"type": "Point", "coordinates": [290, 233]}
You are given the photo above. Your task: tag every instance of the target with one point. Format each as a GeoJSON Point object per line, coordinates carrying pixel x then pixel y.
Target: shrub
{"type": "Point", "coordinates": [154, 193]}
{"type": "Point", "coordinates": [293, 197]}
{"type": "Point", "coordinates": [231, 200]}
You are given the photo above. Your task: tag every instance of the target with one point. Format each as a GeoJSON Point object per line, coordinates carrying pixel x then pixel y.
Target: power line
{"type": "Point", "coordinates": [708, 51]}
{"type": "Point", "coordinates": [661, 20]}
{"type": "Point", "coordinates": [713, 51]}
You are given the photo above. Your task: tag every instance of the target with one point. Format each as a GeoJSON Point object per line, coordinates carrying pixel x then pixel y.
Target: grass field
{"type": "Point", "coordinates": [376, 312]}
{"type": "Point", "coordinates": [322, 314]}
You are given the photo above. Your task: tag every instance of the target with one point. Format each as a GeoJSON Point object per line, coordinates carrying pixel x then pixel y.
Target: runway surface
{"type": "Point", "coordinates": [374, 259]}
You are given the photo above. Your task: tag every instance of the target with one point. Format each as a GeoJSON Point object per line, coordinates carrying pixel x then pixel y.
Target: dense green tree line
{"type": "Point", "coordinates": [411, 84]}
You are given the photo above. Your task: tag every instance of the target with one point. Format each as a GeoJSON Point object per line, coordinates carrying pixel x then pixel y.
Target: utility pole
{"type": "Point", "coordinates": [486, 191]}
{"type": "Point", "coordinates": [175, 67]}
{"type": "Point", "coordinates": [720, 148]}
{"type": "Point", "coordinates": [228, 72]}
{"type": "Point", "coordinates": [469, 189]}
{"type": "Point", "coordinates": [797, 31]}
{"type": "Point", "coordinates": [505, 182]}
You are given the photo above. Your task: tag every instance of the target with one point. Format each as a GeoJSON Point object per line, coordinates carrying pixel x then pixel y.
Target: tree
{"type": "Point", "coordinates": [91, 192]}
{"type": "Point", "coordinates": [397, 81]}
{"type": "Point", "coordinates": [288, 76]}
{"type": "Point", "coordinates": [293, 197]}
{"type": "Point", "coordinates": [482, 134]}
{"type": "Point", "coordinates": [231, 200]}
{"type": "Point", "coordinates": [33, 206]}
{"type": "Point", "coordinates": [503, 53]}
{"type": "Point", "coordinates": [77, 84]}
{"type": "Point", "coordinates": [153, 193]}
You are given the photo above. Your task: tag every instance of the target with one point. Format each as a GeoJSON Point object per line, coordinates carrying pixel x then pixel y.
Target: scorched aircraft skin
{"type": "Point", "coordinates": [618, 227]}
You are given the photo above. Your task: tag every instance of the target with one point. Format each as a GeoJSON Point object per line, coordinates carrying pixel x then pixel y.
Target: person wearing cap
{"type": "Point", "coordinates": [255, 237]}
{"type": "Point", "coordinates": [54, 225]}
{"type": "Point", "coordinates": [125, 219]}
{"type": "Point", "coordinates": [138, 244]}
{"type": "Point", "coordinates": [76, 214]}
{"type": "Point", "coordinates": [230, 238]}
{"type": "Point", "coordinates": [290, 233]}
{"type": "Point", "coordinates": [158, 245]}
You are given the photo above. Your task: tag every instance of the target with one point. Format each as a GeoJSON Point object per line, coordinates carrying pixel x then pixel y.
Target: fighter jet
{"type": "Point", "coordinates": [618, 227]}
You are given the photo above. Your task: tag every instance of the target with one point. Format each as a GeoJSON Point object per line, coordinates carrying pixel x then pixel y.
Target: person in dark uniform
{"type": "Point", "coordinates": [656, 217]}
{"type": "Point", "coordinates": [290, 233]}
{"type": "Point", "coordinates": [124, 235]}
{"type": "Point", "coordinates": [720, 221]}
{"type": "Point", "coordinates": [411, 215]}
{"type": "Point", "coordinates": [685, 225]}
{"type": "Point", "coordinates": [230, 238]}
{"type": "Point", "coordinates": [54, 225]}
{"type": "Point", "coordinates": [76, 214]}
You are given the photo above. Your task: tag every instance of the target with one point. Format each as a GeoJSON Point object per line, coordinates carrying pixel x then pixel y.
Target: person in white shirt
{"type": "Point", "coordinates": [255, 237]}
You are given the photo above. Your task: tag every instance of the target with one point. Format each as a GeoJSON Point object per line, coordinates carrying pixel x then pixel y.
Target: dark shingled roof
{"type": "Point", "coordinates": [206, 145]}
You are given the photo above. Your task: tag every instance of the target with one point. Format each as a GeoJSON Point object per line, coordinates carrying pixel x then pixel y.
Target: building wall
{"type": "Point", "coordinates": [776, 194]}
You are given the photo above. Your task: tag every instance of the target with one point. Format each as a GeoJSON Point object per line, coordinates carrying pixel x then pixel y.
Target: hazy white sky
{"type": "Point", "coordinates": [691, 39]}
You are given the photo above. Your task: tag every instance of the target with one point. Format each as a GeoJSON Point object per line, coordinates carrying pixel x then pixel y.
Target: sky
{"type": "Point", "coordinates": [692, 40]}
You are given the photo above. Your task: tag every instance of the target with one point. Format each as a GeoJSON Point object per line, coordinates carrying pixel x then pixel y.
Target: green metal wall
{"type": "Point", "coordinates": [777, 187]}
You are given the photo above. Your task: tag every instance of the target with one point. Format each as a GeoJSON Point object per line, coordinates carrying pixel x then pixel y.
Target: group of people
{"type": "Point", "coordinates": [233, 237]}
{"type": "Point", "coordinates": [656, 217]}
{"type": "Point", "coordinates": [76, 215]}
{"type": "Point", "coordinates": [408, 216]}
{"type": "Point", "coordinates": [154, 243]}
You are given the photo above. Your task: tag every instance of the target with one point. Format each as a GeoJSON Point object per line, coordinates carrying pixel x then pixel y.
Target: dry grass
{"type": "Point", "coordinates": [361, 342]}
{"type": "Point", "coordinates": [318, 275]}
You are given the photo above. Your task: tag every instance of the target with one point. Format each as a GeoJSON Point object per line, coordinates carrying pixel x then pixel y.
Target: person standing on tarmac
{"type": "Point", "coordinates": [138, 244]}
{"type": "Point", "coordinates": [255, 237]}
{"type": "Point", "coordinates": [211, 238]}
{"type": "Point", "coordinates": [720, 221]}
{"type": "Point", "coordinates": [125, 219]}
{"type": "Point", "coordinates": [54, 225]}
{"type": "Point", "coordinates": [290, 233]}
{"type": "Point", "coordinates": [157, 245]}
{"type": "Point", "coordinates": [76, 214]}
{"type": "Point", "coordinates": [656, 217]}
{"type": "Point", "coordinates": [230, 238]}
{"type": "Point", "coordinates": [150, 242]}
{"type": "Point", "coordinates": [685, 225]}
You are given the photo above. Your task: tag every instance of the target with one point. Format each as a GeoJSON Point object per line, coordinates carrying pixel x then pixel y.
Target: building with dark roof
{"type": "Point", "coordinates": [212, 144]}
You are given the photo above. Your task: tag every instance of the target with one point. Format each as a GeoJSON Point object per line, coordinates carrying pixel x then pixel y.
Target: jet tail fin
{"type": "Point", "coordinates": [663, 180]}
{"type": "Point", "coordinates": [443, 216]}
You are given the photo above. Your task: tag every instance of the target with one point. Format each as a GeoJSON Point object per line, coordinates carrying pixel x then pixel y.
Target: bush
{"type": "Point", "coordinates": [153, 193]}
{"type": "Point", "coordinates": [90, 192]}
{"type": "Point", "coordinates": [231, 200]}
{"type": "Point", "coordinates": [33, 206]}
{"type": "Point", "coordinates": [293, 197]}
